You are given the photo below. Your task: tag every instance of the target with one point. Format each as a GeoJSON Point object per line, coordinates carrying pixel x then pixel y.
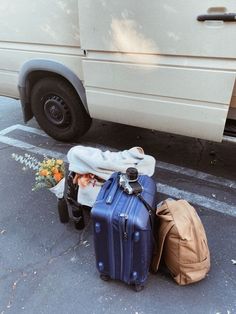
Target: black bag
{"type": "Point", "coordinates": [70, 199]}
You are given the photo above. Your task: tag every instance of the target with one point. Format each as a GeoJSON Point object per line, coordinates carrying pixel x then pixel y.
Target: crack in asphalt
{"type": "Point", "coordinates": [35, 270]}
{"type": "Point", "coordinates": [13, 291]}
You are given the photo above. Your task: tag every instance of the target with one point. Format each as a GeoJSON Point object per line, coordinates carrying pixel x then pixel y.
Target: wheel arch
{"type": "Point", "coordinates": [33, 70]}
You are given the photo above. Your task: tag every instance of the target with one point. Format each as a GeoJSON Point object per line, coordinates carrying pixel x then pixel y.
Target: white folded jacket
{"type": "Point", "coordinates": [84, 160]}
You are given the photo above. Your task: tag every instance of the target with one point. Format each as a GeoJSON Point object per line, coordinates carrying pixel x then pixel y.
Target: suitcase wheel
{"type": "Point", "coordinates": [138, 287]}
{"type": "Point", "coordinates": [105, 277]}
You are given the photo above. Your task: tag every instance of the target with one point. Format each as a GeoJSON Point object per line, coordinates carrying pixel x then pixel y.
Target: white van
{"type": "Point", "coordinates": [165, 65]}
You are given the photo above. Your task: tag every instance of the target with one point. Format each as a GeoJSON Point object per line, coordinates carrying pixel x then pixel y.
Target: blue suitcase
{"type": "Point", "coordinates": [123, 237]}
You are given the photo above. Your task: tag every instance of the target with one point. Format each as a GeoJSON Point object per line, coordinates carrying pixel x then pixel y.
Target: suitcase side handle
{"type": "Point", "coordinates": [107, 186]}
{"type": "Point", "coordinates": [113, 189]}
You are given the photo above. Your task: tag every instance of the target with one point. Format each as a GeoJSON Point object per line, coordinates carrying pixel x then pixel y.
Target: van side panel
{"type": "Point", "coordinates": [165, 81]}
{"type": "Point", "coordinates": [165, 27]}
{"type": "Point", "coordinates": [9, 71]}
{"type": "Point", "coordinates": [150, 96]}
{"type": "Point", "coordinates": [199, 120]}
{"type": "Point", "coordinates": [37, 30]}
{"type": "Point", "coordinates": [40, 22]}
{"type": "Point", "coordinates": [179, 77]}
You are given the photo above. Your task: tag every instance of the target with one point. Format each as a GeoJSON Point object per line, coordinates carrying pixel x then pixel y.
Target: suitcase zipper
{"type": "Point", "coordinates": [124, 236]}
{"type": "Point", "coordinates": [113, 263]}
{"type": "Point", "coordinates": [124, 225]}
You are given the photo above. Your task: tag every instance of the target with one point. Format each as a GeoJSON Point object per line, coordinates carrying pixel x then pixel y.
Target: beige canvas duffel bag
{"type": "Point", "coordinates": [181, 242]}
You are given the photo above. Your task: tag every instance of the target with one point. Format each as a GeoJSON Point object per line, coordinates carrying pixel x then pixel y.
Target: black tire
{"type": "Point", "coordinates": [58, 109]}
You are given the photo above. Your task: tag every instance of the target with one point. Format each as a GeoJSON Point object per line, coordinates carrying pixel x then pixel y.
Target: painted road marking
{"type": "Point", "coordinates": [196, 174]}
{"type": "Point", "coordinates": [31, 148]}
{"type": "Point", "coordinates": [160, 164]}
{"type": "Point", "coordinates": [23, 128]}
{"type": "Point", "coordinates": [171, 191]}
{"type": "Point", "coordinates": [197, 199]}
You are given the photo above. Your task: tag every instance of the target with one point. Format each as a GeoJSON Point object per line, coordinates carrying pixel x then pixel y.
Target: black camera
{"type": "Point", "coordinates": [129, 181]}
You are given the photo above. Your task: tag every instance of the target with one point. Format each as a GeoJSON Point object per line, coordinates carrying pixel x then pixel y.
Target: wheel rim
{"type": "Point", "coordinates": [57, 111]}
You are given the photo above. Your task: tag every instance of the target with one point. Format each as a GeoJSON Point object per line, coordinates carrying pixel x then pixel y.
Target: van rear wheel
{"type": "Point", "coordinates": [58, 109]}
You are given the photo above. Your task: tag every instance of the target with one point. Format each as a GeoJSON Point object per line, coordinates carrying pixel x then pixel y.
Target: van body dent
{"type": "Point", "coordinates": [157, 65]}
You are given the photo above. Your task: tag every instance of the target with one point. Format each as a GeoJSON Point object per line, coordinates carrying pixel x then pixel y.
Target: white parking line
{"type": "Point", "coordinates": [194, 198]}
{"type": "Point", "coordinates": [197, 199]}
{"type": "Point", "coordinates": [23, 128]}
{"type": "Point", "coordinates": [197, 174]}
{"type": "Point", "coordinates": [160, 164]}
{"type": "Point", "coordinates": [9, 129]}
{"type": "Point", "coordinates": [31, 148]}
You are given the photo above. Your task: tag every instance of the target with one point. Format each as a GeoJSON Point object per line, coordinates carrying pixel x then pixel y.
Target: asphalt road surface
{"type": "Point", "coordinates": [48, 267]}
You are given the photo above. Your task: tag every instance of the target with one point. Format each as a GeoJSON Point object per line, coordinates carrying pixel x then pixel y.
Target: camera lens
{"type": "Point", "coordinates": [132, 174]}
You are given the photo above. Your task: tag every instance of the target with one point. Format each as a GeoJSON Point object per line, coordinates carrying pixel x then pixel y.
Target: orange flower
{"type": "Point", "coordinates": [57, 176]}
{"type": "Point", "coordinates": [43, 173]}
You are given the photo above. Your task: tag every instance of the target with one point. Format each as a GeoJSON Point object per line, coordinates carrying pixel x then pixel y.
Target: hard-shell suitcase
{"type": "Point", "coordinates": [123, 237]}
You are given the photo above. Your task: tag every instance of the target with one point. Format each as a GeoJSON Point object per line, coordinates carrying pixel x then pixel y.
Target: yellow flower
{"type": "Point", "coordinates": [50, 162]}
{"type": "Point", "coordinates": [48, 173]}
{"type": "Point", "coordinates": [59, 161]}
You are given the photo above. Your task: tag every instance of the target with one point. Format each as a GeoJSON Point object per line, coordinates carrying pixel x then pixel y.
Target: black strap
{"type": "Point", "coordinates": [148, 207]}
{"type": "Point", "coordinates": [73, 202]}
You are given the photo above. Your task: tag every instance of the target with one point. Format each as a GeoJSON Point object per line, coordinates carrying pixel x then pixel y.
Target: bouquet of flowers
{"type": "Point", "coordinates": [48, 172]}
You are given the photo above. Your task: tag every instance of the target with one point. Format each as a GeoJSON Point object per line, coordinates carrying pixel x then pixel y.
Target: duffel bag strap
{"type": "Point", "coordinates": [163, 231]}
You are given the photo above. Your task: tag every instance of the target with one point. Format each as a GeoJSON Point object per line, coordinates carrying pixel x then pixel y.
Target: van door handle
{"type": "Point", "coordinates": [226, 17]}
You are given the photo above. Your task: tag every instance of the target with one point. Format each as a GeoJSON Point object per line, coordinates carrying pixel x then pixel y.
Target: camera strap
{"type": "Point", "coordinates": [148, 207]}
{"type": "Point", "coordinates": [145, 203]}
